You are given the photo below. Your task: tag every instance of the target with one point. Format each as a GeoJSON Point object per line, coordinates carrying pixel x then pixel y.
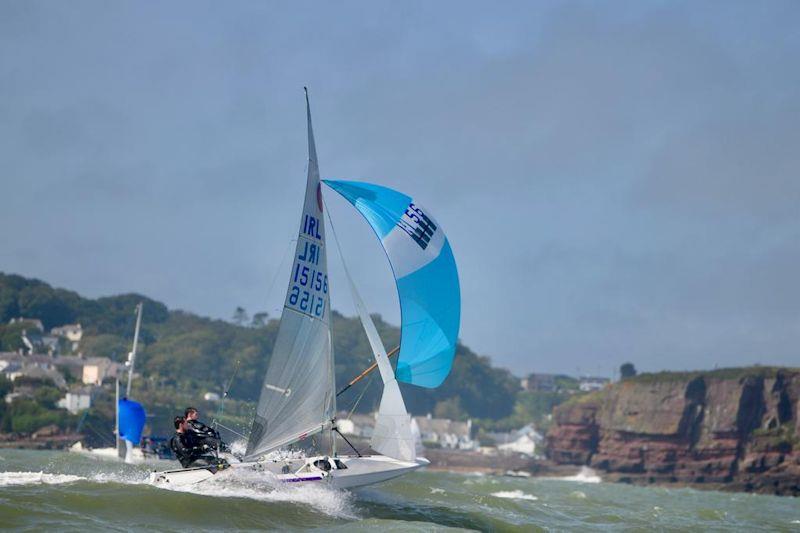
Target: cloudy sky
{"type": "Point", "coordinates": [619, 181]}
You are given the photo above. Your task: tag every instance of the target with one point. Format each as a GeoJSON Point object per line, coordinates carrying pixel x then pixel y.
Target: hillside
{"type": "Point", "coordinates": [190, 354]}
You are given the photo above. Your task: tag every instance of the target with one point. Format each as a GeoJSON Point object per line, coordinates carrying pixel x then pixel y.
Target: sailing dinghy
{"type": "Point", "coordinates": [130, 416]}
{"type": "Point", "coordinates": [298, 397]}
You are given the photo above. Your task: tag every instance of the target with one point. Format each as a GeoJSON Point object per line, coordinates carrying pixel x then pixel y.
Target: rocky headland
{"type": "Point", "coordinates": [736, 429]}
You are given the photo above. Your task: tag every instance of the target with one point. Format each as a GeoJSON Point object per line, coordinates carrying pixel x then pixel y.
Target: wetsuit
{"type": "Point", "coordinates": [182, 446]}
{"type": "Point", "coordinates": [205, 436]}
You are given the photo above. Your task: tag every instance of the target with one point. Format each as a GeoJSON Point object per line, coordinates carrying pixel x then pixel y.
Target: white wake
{"type": "Point", "coordinates": [264, 487]}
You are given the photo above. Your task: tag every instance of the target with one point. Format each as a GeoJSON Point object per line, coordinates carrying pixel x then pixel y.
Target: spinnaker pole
{"type": "Point", "coordinates": [362, 375]}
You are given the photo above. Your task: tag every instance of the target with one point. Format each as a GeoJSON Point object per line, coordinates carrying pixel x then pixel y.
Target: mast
{"type": "Point", "coordinates": [313, 167]}
{"type": "Point", "coordinates": [132, 355]}
{"type": "Point", "coordinates": [116, 415]}
{"type": "Point", "coordinates": [298, 396]}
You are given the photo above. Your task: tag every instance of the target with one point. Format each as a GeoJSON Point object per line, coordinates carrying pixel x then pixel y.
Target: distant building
{"type": "Point", "coordinates": [35, 322]}
{"type": "Point", "coordinates": [522, 441]}
{"type": "Point", "coordinates": [72, 332]}
{"type": "Point", "coordinates": [589, 384]}
{"type": "Point", "coordinates": [37, 372]}
{"type": "Point", "coordinates": [446, 433]}
{"type": "Point", "coordinates": [211, 397]}
{"type": "Point", "coordinates": [76, 400]}
{"type": "Point", "coordinates": [96, 369]}
{"type": "Point", "coordinates": [539, 383]}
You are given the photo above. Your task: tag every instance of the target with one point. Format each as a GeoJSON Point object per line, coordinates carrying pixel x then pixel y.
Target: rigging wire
{"type": "Point", "coordinates": [358, 400]}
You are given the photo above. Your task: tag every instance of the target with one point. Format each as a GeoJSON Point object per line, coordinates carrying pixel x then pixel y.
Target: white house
{"type": "Point", "coordinates": [589, 384]}
{"type": "Point", "coordinates": [446, 433]}
{"type": "Point", "coordinates": [76, 401]}
{"type": "Point", "coordinates": [522, 441]}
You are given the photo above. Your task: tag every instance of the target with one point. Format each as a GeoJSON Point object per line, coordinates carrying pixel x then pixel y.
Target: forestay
{"type": "Point", "coordinates": [426, 277]}
{"type": "Point", "coordinates": [297, 397]}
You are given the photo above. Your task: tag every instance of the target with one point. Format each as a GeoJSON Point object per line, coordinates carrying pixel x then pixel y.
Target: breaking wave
{"type": "Point", "coordinates": [10, 479]}
{"type": "Point", "coordinates": [586, 475]}
{"type": "Point", "coordinates": [515, 495]}
{"type": "Point", "coordinates": [264, 487]}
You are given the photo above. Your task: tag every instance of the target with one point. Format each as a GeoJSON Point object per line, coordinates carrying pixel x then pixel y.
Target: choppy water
{"type": "Point", "coordinates": [62, 491]}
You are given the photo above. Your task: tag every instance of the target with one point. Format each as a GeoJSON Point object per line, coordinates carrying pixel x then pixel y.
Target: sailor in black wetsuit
{"type": "Point", "coordinates": [202, 435]}
{"type": "Point", "coordinates": [181, 443]}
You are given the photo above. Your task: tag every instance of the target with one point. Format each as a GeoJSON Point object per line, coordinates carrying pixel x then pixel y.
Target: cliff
{"type": "Point", "coordinates": [734, 428]}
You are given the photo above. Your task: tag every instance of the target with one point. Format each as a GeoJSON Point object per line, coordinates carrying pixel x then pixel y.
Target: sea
{"type": "Point", "coordinates": [62, 491]}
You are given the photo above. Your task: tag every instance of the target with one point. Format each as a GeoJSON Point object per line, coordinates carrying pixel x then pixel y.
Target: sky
{"type": "Point", "coordinates": [618, 180]}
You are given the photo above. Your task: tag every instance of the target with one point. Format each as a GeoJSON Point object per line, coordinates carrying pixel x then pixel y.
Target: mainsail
{"type": "Point", "coordinates": [426, 277]}
{"type": "Point", "coordinates": [297, 397]}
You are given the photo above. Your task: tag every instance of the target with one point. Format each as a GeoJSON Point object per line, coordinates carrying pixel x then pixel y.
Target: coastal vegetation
{"type": "Point", "coordinates": [182, 355]}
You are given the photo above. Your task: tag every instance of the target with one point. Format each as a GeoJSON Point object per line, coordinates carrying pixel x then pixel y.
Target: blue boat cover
{"type": "Point", "coordinates": [131, 420]}
{"type": "Point", "coordinates": [426, 277]}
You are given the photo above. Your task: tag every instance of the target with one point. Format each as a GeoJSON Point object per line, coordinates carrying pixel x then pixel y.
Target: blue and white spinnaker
{"type": "Point", "coordinates": [426, 277]}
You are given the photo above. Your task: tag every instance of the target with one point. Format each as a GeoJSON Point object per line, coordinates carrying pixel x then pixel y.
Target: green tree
{"type": "Point", "coordinates": [627, 370]}
{"type": "Point", "coordinates": [449, 408]}
{"type": "Point", "coordinates": [240, 317]}
{"type": "Point", "coordinates": [260, 319]}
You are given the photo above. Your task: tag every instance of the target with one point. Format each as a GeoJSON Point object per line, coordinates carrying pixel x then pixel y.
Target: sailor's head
{"type": "Point", "coordinates": [180, 423]}
{"type": "Point", "coordinates": [191, 413]}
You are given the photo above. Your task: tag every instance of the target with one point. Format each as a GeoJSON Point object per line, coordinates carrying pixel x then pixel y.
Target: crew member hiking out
{"type": "Point", "coordinates": [201, 433]}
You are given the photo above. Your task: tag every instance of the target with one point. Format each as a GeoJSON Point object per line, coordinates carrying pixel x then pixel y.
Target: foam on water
{"type": "Point", "coordinates": [9, 479]}
{"type": "Point", "coordinates": [264, 487]}
{"type": "Point", "coordinates": [515, 495]}
{"type": "Point", "coordinates": [586, 475]}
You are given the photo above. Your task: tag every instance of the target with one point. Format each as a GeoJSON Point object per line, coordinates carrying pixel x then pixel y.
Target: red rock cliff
{"type": "Point", "coordinates": [735, 427]}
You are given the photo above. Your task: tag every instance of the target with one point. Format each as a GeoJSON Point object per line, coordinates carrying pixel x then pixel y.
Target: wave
{"type": "Point", "coordinates": [10, 479]}
{"type": "Point", "coordinates": [515, 495]}
{"type": "Point", "coordinates": [586, 475]}
{"type": "Point", "coordinates": [264, 487]}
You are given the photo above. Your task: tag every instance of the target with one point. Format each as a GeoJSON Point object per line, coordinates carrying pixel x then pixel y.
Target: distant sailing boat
{"type": "Point", "coordinates": [298, 397]}
{"type": "Point", "coordinates": [130, 416]}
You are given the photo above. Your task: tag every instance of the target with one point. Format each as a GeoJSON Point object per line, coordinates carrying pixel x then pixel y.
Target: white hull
{"type": "Point", "coordinates": [344, 472]}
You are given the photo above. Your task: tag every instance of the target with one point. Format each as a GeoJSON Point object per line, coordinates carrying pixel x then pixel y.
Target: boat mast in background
{"type": "Point", "coordinates": [132, 355]}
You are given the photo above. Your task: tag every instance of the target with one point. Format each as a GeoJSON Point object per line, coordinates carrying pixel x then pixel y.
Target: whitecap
{"type": "Point", "coordinates": [435, 490]}
{"type": "Point", "coordinates": [585, 475]}
{"type": "Point", "coordinates": [264, 487]}
{"type": "Point", "coordinates": [9, 479]}
{"type": "Point", "coordinates": [515, 495]}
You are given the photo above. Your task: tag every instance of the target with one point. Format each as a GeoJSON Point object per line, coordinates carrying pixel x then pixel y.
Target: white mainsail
{"type": "Point", "coordinates": [298, 395]}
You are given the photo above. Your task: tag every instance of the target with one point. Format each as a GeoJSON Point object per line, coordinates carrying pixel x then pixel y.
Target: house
{"type": "Point", "coordinates": [589, 384]}
{"type": "Point", "coordinates": [76, 400]}
{"type": "Point", "coordinates": [71, 332]}
{"type": "Point", "coordinates": [96, 369]}
{"type": "Point", "coordinates": [446, 433]}
{"type": "Point", "coordinates": [34, 322]}
{"type": "Point", "coordinates": [37, 343]}
{"type": "Point", "coordinates": [522, 441]}
{"type": "Point", "coordinates": [211, 397]}
{"type": "Point", "coordinates": [38, 372]}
